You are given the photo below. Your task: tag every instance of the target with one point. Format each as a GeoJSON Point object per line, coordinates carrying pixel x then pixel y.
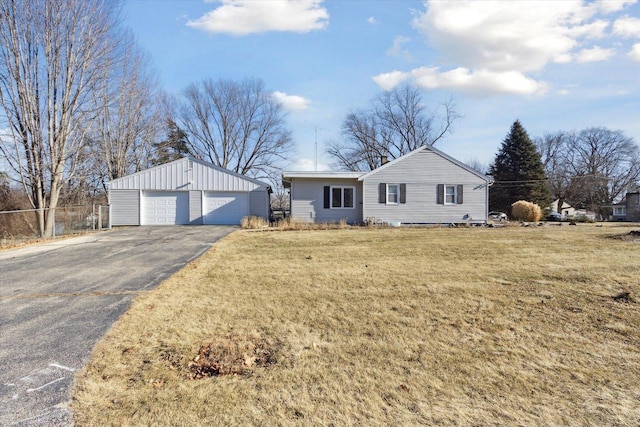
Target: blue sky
{"type": "Point", "coordinates": [552, 64]}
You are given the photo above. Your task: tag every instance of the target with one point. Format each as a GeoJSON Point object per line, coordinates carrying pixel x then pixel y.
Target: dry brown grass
{"type": "Point", "coordinates": [382, 326]}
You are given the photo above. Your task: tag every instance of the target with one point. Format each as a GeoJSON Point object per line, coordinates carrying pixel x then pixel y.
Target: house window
{"type": "Point", "coordinates": [447, 194]}
{"type": "Point", "coordinates": [342, 197]}
{"type": "Point", "coordinates": [450, 195]}
{"type": "Point", "coordinates": [393, 194]}
{"type": "Point", "coordinates": [619, 210]}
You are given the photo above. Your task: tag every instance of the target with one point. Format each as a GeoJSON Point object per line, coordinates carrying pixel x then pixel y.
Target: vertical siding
{"type": "Point", "coordinates": [307, 201]}
{"type": "Point", "coordinates": [421, 173]}
{"type": "Point", "coordinates": [125, 207]}
{"type": "Point", "coordinates": [186, 174]}
{"type": "Point", "coordinates": [259, 204]}
{"type": "Point", "coordinates": [195, 208]}
{"type": "Point", "coordinates": [633, 207]}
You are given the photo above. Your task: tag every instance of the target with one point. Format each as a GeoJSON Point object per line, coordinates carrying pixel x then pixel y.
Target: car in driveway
{"type": "Point", "coordinates": [498, 216]}
{"type": "Point", "coordinates": [554, 216]}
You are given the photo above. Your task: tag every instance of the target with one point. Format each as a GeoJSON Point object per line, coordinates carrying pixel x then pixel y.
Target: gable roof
{"type": "Point", "coordinates": [187, 173]}
{"type": "Point", "coordinates": [421, 149]}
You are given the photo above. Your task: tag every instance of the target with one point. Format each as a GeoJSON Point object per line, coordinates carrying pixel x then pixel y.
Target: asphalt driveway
{"type": "Point", "coordinates": [58, 299]}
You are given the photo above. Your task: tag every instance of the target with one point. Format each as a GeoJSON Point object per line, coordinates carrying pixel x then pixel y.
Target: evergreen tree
{"type": "Point", "coordinates": [175, 147]}
{"type": "Point", "coordinates": [518, 173]}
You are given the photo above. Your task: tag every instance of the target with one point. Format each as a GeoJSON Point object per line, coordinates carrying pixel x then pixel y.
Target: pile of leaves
{"type": "Point", "coordinates": [232, 354]}
{"type": "Point", "coordinates": [633, 235]}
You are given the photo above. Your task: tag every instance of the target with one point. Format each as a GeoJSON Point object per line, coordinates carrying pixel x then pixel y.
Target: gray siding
{"type": "Point", "coordinates": [187, 174]}
{"type": "Point", "coordinates": [422, 172]}
{"type": "Point", "coordinates": [125, 207]}
{"type": "Point", "coordinates": [307, 201]}
{"type": "Point", "coordinates": [259, 204]}
{"type": "Point", "coordinates": [195, 208]}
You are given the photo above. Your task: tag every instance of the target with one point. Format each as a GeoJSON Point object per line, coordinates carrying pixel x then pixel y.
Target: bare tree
{"type": "Point", "coordinates": [129, 117]}
{"type": "Point", "coordinates": [591, 168]}
{"type": "Point", "coordinates": [607, 164]}
{"type": "Point", "coordinates": [559, 165]}
{"type": "Point", "coordinates": [51, 56]}
{"type": "Point", "coordinates": [238, 126]}
{"type": "Point", "coordinates": [396, 123]}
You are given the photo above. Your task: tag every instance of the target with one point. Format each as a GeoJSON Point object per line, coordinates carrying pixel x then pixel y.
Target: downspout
{"type": "Point", "coordinates": [486, 205]}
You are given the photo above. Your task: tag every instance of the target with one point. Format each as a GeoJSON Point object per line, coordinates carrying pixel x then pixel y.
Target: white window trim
{"type": "Point", "coordinates": [342, 187]}
{"type": "Point", "coordinates": [622, 210]}
{"type": "Point", "coordinates": [455, 194]}
{"type": "Point", "coordinates": [397, 202]}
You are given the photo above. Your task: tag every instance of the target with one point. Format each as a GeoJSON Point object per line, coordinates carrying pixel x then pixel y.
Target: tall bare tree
{"type": "Point", "coordinates": [606, 163]}
{"type": "Point", "coordinates": [397, 122]}
{"type": "Point", "coordinates": [51, 56]}
{"type": "Point", "coordinates": [129, 116]}
{"type": "Point", "coordinates": [590, 168]}
{"type": "Point", "coordinates": [236, 125]}
{"type": "Point", "coordinates": [559, 165]}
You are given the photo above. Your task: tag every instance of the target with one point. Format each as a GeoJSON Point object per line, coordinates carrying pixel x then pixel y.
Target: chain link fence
{"type": "Point", "coordinates": [22, 226]}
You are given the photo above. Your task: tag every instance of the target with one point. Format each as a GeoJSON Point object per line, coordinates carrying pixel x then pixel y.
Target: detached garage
{"type": "Point", "coordinates": [186, 191]}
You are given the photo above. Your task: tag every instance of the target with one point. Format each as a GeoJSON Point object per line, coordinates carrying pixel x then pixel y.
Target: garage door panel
{"type": "Point", "coordinates": [166, 208]}
{"type": "Point", "coordinates": [225, 208]}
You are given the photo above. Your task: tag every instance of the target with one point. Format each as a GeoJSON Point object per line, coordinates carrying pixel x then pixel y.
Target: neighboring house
{"type": "Point", "coordinates": [425, 186]}
{"type": "Point", "coordinates": [569, 212]}
{"type": "Point", "coordinates": [628, 209]}
{"type": "Point", "coordinates": [186, 191]}
{"type": "Point", "coordinates": [566, 210]}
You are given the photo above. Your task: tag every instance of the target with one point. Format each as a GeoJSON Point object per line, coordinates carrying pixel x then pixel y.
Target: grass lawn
{"type": "Point", "coordinates": [391, 326]}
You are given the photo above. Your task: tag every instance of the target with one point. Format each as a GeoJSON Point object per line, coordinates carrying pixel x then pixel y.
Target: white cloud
{"type": "Point", "coordinates": [610, 6]}
{"type": "Point", "coordinates": [372, 20]}
{"type": "Point", "coordinates": [635, 52]}
{"type": "Point", "coordinates": [627, 26]}
{"type": "Point", "coordinates": [481, 82]}
{"type": "Point", "coordinates": [291, 102]}
{"type": "Point", "coordinates": [242, 17]}
{"type": "Point", "coordinates": [594, 54]}
{"type": "Point", "coordinates": [478, 82]}
{"type": "Point", "coordinates": [388, 81]}
{"type": "Point", "coordinates": [507, 35]}
{"type": "Point", "coordinates": [493, 46]}
{"type": "Point", "coordinates": [397, 48]}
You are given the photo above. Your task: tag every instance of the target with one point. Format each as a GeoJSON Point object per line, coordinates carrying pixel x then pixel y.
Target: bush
{"type": "Point", "coordinates": [526, 211]}
{"type": "Point", "coordinates": [253, 222]}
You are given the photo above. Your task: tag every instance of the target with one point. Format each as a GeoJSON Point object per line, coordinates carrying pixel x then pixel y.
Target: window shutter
{"type": "Point", "coordinates": [382, 193]}
{"type": "Point", "coordinates": [459, 194]}
{"type": "Point", "coordinates": [440, 194]}
{"type": "Point", "coordinates": [403, 193]}
{"type": "Point", "coordinates": [327, 197]}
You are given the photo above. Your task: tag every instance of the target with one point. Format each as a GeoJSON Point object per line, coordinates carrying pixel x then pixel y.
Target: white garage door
{"type": "Point", "coordinates": [165, 207]}
{"type": "Point", "coordinates": [225, 208]}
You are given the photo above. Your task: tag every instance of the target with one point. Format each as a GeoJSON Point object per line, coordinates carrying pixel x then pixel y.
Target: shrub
{"type": "Point", "coordinates": [526, 211]}
{"type": "Point", "coordinates": [253, 222]}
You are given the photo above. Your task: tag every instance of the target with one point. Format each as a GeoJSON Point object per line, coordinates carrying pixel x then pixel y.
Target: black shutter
{"type": "Point", "coordinates": [440, 194]}
{"type": "Point", "coordinates": [459, 191]}
{"type": "Point", "coordinates": [382, 193]}
{"type": "Point", "coordinates": [403, 193]}
{"type": "Point", "coordinates": [327, 197]}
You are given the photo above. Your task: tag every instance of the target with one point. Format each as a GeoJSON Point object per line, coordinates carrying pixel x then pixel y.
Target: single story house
{"type": "Point", "coordinates": [186, 191]}
{"type": "Point", "coordinates": [628, 209]}
{"type": "Point", "coordinates": [425, 186]}
{"type": "Point", "coordinates": [569, 212]}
